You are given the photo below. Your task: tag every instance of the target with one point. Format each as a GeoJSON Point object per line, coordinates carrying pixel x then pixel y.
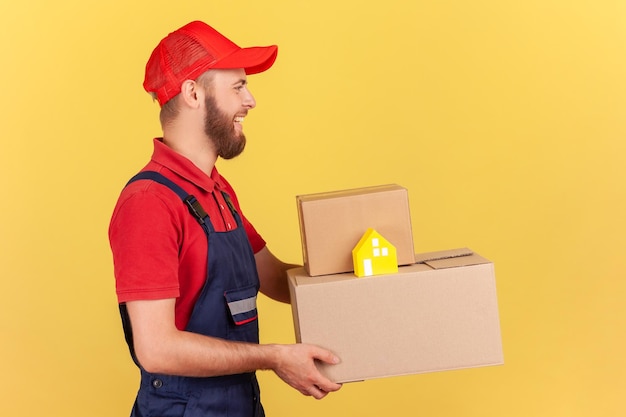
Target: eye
{"type": "Point", "coordinates": [241, 85]}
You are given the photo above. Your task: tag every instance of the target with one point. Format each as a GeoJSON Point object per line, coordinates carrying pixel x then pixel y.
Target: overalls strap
{"type": "Point", "coordinates": [190, 201]}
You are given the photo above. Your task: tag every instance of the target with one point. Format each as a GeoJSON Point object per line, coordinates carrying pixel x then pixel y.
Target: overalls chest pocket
{"type": "Point", "coordinates": [242, 307]}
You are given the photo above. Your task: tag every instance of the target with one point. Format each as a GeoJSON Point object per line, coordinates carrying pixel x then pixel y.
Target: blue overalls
{"type": "Point", "coordinates": [226, 309]}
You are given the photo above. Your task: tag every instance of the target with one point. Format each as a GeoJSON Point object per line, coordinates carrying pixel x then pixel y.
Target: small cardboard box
{"type": "Point", "coordinates": [435, 315]}
{"type": "Point", "coordinates": [332, 223]}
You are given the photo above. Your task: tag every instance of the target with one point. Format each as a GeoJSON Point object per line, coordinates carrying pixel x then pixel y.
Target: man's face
{"type": "Point", "coordinates": [227, 103]}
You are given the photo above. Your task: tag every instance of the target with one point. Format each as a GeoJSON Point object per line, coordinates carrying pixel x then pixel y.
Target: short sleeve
{"type": "Point", "coordinates": [144, 235]}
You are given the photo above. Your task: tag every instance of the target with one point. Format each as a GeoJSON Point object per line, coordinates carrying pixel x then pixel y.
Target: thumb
{"type": "Point", "coordinates": [327, 356]}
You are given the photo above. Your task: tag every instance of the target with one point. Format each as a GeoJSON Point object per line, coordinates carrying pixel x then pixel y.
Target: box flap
{"type": "Point", "coordinates": [450, 258]}
{"type": "Point", "coordinates": [421, 258]}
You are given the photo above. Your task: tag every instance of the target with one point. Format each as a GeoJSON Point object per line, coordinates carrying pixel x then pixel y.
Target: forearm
{"type": "Point", "coordinates": [195, 355]}
{"type": "Point", "coordinates": [273, 275]}
{"type": "Point", "coordinates": [161, 348]}
{"type": "Point", "coordinates": [190, 354]}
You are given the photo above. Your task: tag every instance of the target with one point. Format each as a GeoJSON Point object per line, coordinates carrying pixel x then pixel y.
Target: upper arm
{"type": "Point", "coordinates": [152, 323]}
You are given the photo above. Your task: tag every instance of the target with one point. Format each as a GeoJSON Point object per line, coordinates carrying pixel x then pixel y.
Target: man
{"type": "Point", "coordinates": [188, 265]}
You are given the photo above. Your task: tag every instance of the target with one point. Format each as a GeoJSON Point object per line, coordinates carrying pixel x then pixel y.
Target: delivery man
{"type": "Point", "coordinates": [188, 264]}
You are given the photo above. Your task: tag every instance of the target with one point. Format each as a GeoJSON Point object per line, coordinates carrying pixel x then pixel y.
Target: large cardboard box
{"type": "Point", "coordinates": [435, 315]}
{"type": "Point", "coordinates": [332, 223]}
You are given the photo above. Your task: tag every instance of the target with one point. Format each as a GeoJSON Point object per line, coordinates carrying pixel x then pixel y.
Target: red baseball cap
{"type": "Point", "coordinates": [188, 52]}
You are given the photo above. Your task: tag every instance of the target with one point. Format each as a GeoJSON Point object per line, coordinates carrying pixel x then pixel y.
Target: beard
{"type": "Point", "coordinates": [218, 126]}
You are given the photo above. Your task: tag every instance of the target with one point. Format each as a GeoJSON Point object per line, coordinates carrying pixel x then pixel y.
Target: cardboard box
{"type": "Point", "coordinates": [439, 314]}
{"type": "Point", "coordinates": [331, 224]}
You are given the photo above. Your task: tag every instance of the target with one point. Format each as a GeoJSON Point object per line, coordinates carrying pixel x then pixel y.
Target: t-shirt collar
{"type": "Point", "coordinates": [182, 166]}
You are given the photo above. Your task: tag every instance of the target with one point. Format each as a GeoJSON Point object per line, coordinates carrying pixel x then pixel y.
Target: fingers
{"type": "Point", "coordinates": [318, 386]}
{"type": "Point", "coordinates": [297, 368]}
{"type": "Point", "coordinates": [327, 386]}
{"type": "Point", "coordinates": [321, 390]}
{"type": "Point", "coordinates": [317, 392]}
{"type": "Point", "coordinates": [323, 386]}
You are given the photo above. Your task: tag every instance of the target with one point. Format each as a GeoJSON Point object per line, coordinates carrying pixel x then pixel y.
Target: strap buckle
{"type": "Point", "coordinates": [195, 209]}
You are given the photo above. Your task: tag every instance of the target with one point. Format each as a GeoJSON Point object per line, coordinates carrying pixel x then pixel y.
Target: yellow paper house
{"type": "Point", "coordinates": [374, 255]}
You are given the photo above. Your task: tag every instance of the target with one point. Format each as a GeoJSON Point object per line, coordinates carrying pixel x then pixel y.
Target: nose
{"type": "Point", "coordinates": [248, 100]}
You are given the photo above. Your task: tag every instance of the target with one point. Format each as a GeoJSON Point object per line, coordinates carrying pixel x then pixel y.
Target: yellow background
{"type": "Point", "coordinates": [504, 119]}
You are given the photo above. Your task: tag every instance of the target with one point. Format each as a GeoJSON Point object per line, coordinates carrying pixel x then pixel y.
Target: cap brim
{"type": "Point", "coordinates": [253, 60]}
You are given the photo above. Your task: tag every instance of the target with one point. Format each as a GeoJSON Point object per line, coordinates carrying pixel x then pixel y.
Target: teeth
{"type": "Point", "coordinates": [238, 119]}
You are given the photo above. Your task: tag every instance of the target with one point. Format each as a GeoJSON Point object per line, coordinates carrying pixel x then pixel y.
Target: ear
{"type": "Point", "coordinates": [191, 94]}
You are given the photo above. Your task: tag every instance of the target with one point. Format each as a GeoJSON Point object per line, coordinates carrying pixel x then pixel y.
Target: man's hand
{"type": "Point", "coordinates": [296, 366]}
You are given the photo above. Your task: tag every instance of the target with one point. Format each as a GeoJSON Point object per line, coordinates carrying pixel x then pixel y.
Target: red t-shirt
{"type": "Point", "coordinates": [159, 249]}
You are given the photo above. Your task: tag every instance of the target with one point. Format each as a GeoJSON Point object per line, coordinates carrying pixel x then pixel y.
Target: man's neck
{"type": "Point", "coordinates": [196, 148]}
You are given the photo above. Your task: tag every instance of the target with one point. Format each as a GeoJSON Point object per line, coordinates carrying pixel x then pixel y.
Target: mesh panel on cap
{"type": "Point", "coordinates": [179, 58]}
{"type": "Point", "coordinates": [183, 54]}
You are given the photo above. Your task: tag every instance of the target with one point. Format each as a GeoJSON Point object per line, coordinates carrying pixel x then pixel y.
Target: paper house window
{"type": "Point", "coordinates": [374, 255]}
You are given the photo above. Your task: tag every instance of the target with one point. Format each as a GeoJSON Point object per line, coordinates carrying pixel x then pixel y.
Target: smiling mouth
{"type": "Point", "coordinates": [238, 119]}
